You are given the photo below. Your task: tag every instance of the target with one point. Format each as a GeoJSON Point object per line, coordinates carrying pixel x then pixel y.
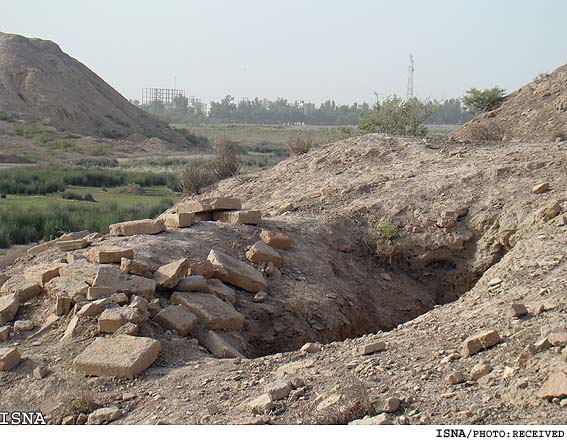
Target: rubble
{"type": "Point", "coordinates": [237, 273]}
{"type": "Point", "coordinates": [143, 226]}
{"type": "Point", "coordinates": [122, 356]}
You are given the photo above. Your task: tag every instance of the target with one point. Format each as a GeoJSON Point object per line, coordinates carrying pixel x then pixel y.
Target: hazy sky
{"type": "Point", "coordinates": [310, 49]}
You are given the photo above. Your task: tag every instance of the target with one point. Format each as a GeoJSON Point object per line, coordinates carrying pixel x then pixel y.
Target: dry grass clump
{"type": "Point", "coordinates": [299, 142]}
{"type": "Point", "coordinates": [200, 172]}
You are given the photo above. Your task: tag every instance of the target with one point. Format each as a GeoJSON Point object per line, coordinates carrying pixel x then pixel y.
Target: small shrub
{"type": "Point", "coordinates": [198, 173]}
{"type": "Point", "coordinates": [486, 131]}
{"type": "Point", "coordinates": [8, 117]}
{"type": "Point", "coordinates": [388, 230]}
{"type": "Point", "coordinates": [227, 160]}
{"type": "Point", "coordinates": [299, 142]}
{"type": "Point", "coordinates": [395, 116]}
{"type": "Point", "coordinates": [75, 196]}
{"type": "Point", "coordinates": [129, 189]}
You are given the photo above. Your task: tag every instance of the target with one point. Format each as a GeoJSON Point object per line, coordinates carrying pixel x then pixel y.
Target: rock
{"type": "Point", "coordinates": [276, 240]}
{"type": "Point", "coordinates": [260, 297]}
{"type": "Point", "coordinates": [68, 420]}
{"type": "Point", "coordinates": [518, 310]}
{"type": "Point", "coordinates": [122, 356]}
{"type": "Point", "coordinates": [262, 253]}
{"type": "Point", "coordinates": [177, 317]}
{"type": "Point", "coordinates": [80, 270]}
{"type": "Point", "coordinates": [388, 405]}
{"type": "Point", "coordinates": [21, 288]}
{"type": "Point", "coordinates": [480, 370]}
{"type": "Point", "coordinates": [99, 292]}
{"type": "Point", "coordinates": [285, 208]}
{"type": "Point", "coordinates": [3, 279]}
{"type": "Point", "coordinates": [135, 267]}
{"type": "Point", "coordinates": [369, 348]}
{"type": "Point", "coordinates": [178, 220]}
{"type": "Point", "coordinates": [455, 378]}
{"type": "Point", "coordinates": [128, 329]}
{"type": "Point", "coordinates": [311, 347]}
{"type": "Point", "coordinates": [81, 419]}
{"type": "Point", "coordinates": [540, 188]}
{"type": "Point", "coordinates": [9, 358]}
{"type": "Point", "coordinates": [143, 226]}
{"type": "Point", "coordinates": [5, 333]}
{"type": "Point", "coordinates": [557, 339]}
{"type": "Point", "coordinates": [110, 254]}
{"type": "Point", "coordinates": [246, 217]}
{"type": "Point", "coordinates": [9, 306]}
{"type": "Point", "coordinates": [113, 318]}
{"type": "Point", "coordinates": [112, 277]}
{"type": "Point", "coordinates": [542, 345]}
{"type": "Point", "coordinates": [494, 282]}
{"type": "Point", "coordinates": [62, 305]}
{"type": "Point", "coordinates": [154, 307]}
{"type": "Point", "coordinates": [40, 372]}
{"type": "Point", "coordinates": [192, 284]}
{"type": "Point", "coordinates": [71, 329]}
{"type": "Point", "coordinates": [237, 273]}
{"type": "Point", "coordinates": [66, 287]}
{"type": "Point", "coordinates": [213, 312]}
{"type": "Point", "coordinates": [279, 390]}
{"type": "Point", "coordinates": [90, 309]}
{"type": "Point", "coordinates": [219, 289]}
{"type": "Point", "coordinates": [554, 387]}
{"type": "Point", "coordinates": [43, 274]}
{"type": "Point", "coordinates": [549, 212]}
{"type": "Point", "coordinates": [478, 342]}
{"type": "Point", "coordinates": [203, 268]}
{"type": "Point", "coordinates": [72, 245]}
{"type": "Point", "coordinates": [378, 420]}
{"type": "Point", "coordinates": [23, 326]}
{"type": "Point", "coordinates": [262, 404]}
{"type": "Point", "coordinates": [141, 304]}
{"type": "Point", "coordinates": [104, 415]}
{"type": "Point", "coordinates": [119, 298]}
{"type": "Point", "coordinates": [211, 204]}
{"type": "Point", "coordinates": [218, 346]}
{"type": "Point", "coordinates": [45, 327]}
{"type": "Point", "coordinates": [167, 276]}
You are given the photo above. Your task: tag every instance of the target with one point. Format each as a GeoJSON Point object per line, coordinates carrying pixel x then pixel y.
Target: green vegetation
{"type": "Point", "coordinates": [396, 116]}
{"type": "Point", "coordinates": [75, 196]}
{"type": "Point", "coordinates": [388, 230]}
{"type": "Point", "coordinates": [40, 180]}
{"type": "Point", "coordinates": [22, 225]}
{"type": "Point", "coordinates": [8, 117]}
{"type": "Point", "coordinates": [25, 219]}
{"type": "Point", "coordinates": [477, 101]}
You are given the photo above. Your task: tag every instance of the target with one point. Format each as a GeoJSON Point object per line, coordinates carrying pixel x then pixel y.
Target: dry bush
{"type": "Point", "coordinates": [198, 173]}
{"type": "Point", "coordinates": [299, 142]}
{"type": "Point", "coordinates": [227, 161]}
{"type": "Point", "coordinates": [354, 404]}
{"type": "Point", "coordinates": [77, 397]}
{"type": "Point", "coordinates": [485, 131]}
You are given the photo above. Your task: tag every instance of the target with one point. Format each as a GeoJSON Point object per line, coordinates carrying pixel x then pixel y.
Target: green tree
{"type": "Point", "coordinates": [478, 101]}
{"type": "Point", "coordinates": [396, 116]}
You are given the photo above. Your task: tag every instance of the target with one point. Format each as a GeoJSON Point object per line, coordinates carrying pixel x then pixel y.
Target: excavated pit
{"type": "Point", "coordinates": [427, 278]}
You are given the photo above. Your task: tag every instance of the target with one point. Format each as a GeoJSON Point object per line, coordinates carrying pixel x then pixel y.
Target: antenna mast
{"type": "Point", "coordinates": [409, 94]}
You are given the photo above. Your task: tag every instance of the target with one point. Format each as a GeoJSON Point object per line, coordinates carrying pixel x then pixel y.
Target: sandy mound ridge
{"type": "Point", "coordinates": [536, 111]}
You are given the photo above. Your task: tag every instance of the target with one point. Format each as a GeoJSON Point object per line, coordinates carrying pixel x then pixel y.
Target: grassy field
{"type": "Point", "coordinates": [26, 219]}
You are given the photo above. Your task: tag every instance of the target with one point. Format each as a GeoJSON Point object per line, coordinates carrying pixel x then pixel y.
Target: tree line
{"type": "Point", "coordinates": [282, 111]}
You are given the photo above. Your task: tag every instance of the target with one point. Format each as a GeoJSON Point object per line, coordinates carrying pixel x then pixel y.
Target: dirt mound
{"type": "Point", "coordinates": [536, 111]}
{"type": "Point", "coordinates": [420, 246]}
{"type": "Point", "coordinates": [39, 81]}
